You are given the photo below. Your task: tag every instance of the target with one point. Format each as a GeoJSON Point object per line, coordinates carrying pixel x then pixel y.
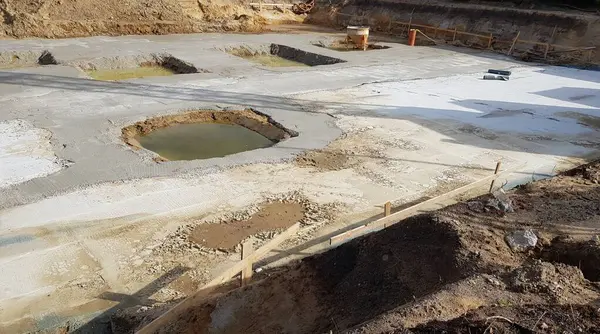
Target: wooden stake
{"type": "Point", "coordinates": [513, 43]}
{"type": "Point", "coordinates": [547, 49]}
{"type": "Point", "coordinates": [387, 209]}
{"type": "Point", "coordinates": [490, 41]}
{"type": "Point", "coordinates": [454, 36]}
{"type": "Point", "coordinates": [247, 271]}
{"type": "Point", "coordinates": [495, 173]}
{"type": "Point", "coordinates": [435, 32]}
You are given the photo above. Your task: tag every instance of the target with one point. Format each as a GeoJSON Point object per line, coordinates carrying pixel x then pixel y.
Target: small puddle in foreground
{"type": "Point", "coordinates": [202, 141]}
{"type": "Point", "coordinates": [116, 74]}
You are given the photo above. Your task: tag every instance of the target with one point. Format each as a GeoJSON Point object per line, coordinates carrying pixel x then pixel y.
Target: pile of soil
{"type": "Point", "coordinates": [449, 271]}
{"type": "Point", "coordinates": [78, 18]}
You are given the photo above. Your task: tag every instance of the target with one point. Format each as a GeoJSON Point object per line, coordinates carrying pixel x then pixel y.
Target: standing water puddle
{"type": "Point", "coordinates": [130, 73]}
{"type": "Point", "coordinates": [274, 61]}
{"type": "Point", "coordinates": [202, 141]}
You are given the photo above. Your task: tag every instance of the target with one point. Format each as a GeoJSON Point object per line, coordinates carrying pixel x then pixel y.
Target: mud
{"type": "Point", "coordinates": [271, 217]}
{"type": "Point", "coordinates": [345, 46]}
{"type": "Point", "coordinates": [323, 160]}
{"type": "Point", "coordinates": [248, 118]}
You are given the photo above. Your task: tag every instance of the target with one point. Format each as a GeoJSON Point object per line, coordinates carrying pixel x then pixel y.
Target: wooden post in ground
{"type": "Point", "coordinates": [547, 49]}
{"type": "Point", "coordinates": [435, 31]}
{"type": "Point", "coordinates": [513, 43]}
{"type": "Point", "coordinates": [260, 5]}
{"type": "Point", "coordinates": [490, 41]}
{"type": "Point", "coordinates": [247, 271]}
{"type": "Point", "coordinates": [495, 172]}
{"type": "Point", "coordinates": [454, 36]}
{"type": "Point", "coordinates": [387, 209]}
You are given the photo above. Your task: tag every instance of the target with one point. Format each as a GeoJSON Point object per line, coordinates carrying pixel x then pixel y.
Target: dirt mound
{"type": "Point", "coordinates": [77, 18]}
{"type": "Point", "coordinates": [518, 319]}
{"type": "Point", "coordinates": [426, 272]}
{"type": "Point", "coordinates": [344, 286]}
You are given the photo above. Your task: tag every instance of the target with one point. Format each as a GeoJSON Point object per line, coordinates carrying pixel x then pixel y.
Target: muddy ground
{"type": "Point", "coordinates": [448, 271]}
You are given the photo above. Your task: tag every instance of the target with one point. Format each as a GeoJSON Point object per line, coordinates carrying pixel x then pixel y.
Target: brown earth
{"type": "Point", "coordinates": [566, 28]}
{"type": "Point", "coordinates": [273, 216]}
{"type": "Point", "coordinates": [450, 270]}
{"type": "Point", "coordinates": [248, 118]}
{"type": "Point", "coordinates": [78, 18]}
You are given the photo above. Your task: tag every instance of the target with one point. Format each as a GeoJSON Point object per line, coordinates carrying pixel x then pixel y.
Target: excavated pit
{"type": "Point", "coordinates": [341, 287]}
{"type": "Point", "coordinates": [204, 134]}
{"type": "Point", "coordinates": [20, 59]}
{"type": "Point", "coordinates": [277, 55]}
{"type": "Point", "coordinates": [135, 67]}
{"type": "Point", "coordinates": [584, 255]}
{"type": "Point", "coordinates": [346, 46]}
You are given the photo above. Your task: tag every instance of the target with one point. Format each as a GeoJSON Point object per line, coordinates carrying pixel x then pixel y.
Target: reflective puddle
{"type": "Point", "coordinates": [202, 141]}
{"type": "Point", "coordinates": [130, 73]}
{"type": "Point", "coordinates": [274, 61]}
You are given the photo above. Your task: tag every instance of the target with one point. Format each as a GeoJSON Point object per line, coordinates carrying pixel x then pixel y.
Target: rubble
{"type": "Point", "coordinates": [520, 241]}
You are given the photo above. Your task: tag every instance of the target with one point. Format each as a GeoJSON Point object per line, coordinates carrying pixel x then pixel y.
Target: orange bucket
{"type": "Point", "coordinates": [412, 37]}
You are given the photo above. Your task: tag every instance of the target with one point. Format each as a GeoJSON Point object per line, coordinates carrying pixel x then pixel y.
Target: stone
{"type": "Point", "coordinates": [476, 206]}
{"type": "Point", "coordinates": [504, 202]}
{"type": "Point", "coordinates": [522, 240]}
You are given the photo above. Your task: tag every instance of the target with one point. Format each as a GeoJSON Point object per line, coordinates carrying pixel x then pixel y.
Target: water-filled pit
{"type": "Point", "coordinates": [345, 46]}
{"type": "Point", "coordinates": [204, 134]}
{"type": "Point", "coordinates": [202, 141]}
{"type": "Point", "coordinates": [276, 55]}
{"type": "Point", "coordinates": [117, 74]}
{"type": "Point", "coordinates": [135, 67]}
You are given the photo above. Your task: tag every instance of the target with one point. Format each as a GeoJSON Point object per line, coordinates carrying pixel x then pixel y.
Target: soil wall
{"type": "Point", "coordinates": [572, 29]}
{"type": "Point", "coordinates": [80, 18]}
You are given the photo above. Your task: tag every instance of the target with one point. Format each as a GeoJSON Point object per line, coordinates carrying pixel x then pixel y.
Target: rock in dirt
{"type": "Point", "coordinates": [522, 240]}
{"type": "Point", "coordinates": [504, 202]}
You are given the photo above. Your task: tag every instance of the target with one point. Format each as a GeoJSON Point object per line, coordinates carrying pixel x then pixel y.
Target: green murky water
{"type": "Point", "coordinates": [130, 73]}
{"type": "Point", "coordinates": [202, 141]}
{"type": "Point", "coordinates": [274, 61]}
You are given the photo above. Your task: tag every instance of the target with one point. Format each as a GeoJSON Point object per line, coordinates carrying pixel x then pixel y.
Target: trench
{"type": "Point", "coordinates": [584, 255]}
{"type": "Point", "coordinates": [277, 55]}
{"type": "Point", "coordinates": [204, 134]}
{"type": "Point", "coordinates": [20, 59]}
{"type": "Point", "coordinates": [136, 67]}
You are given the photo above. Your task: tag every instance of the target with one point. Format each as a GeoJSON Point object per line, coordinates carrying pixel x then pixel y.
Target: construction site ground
{"type": "Point", "coordinates": [450, 271]}
{"type": "Point", "coordinates": [90, 226]}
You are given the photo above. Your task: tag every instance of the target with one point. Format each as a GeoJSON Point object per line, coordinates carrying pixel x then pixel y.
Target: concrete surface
{"type": "Point", "coordinates": [421, 120]}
